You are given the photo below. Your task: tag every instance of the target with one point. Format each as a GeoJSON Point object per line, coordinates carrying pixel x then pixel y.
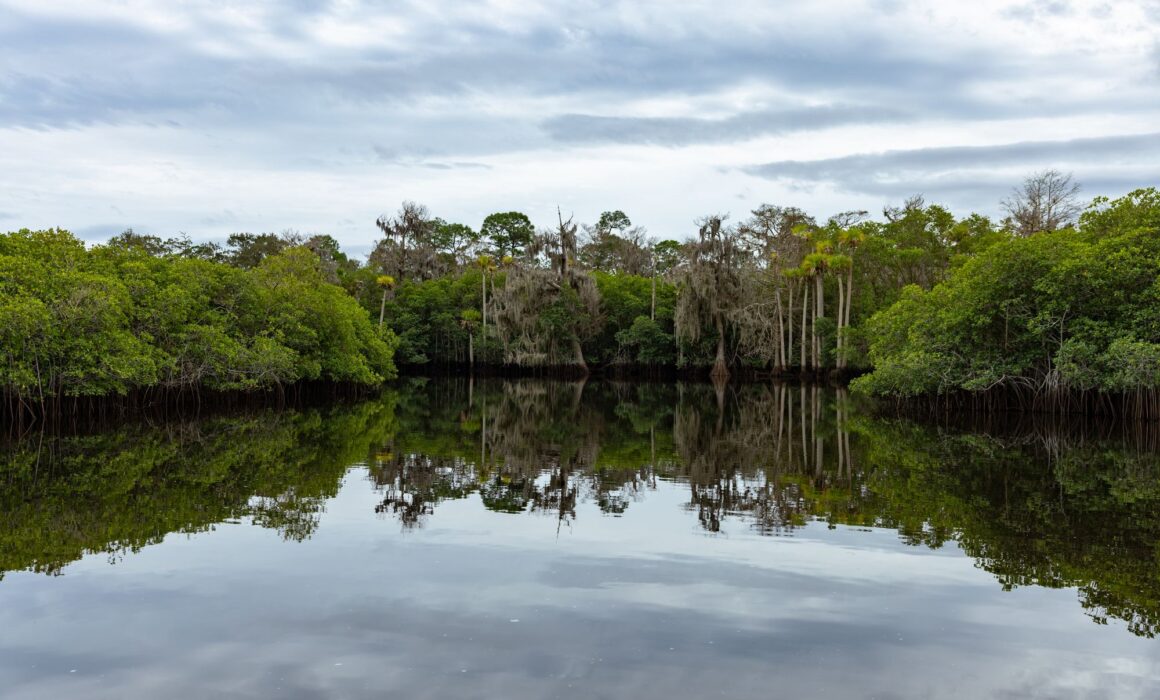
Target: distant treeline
{"type": "Point", "coordinates": [1055, 306]}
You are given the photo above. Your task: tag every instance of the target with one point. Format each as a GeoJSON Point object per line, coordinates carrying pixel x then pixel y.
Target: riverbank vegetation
{"type": "Point", "coordinates": [136, 316]}
{"type": "Point", "coordinates": [1062, 320]}
{"type": "Point", "coordinates": [1055, 306]}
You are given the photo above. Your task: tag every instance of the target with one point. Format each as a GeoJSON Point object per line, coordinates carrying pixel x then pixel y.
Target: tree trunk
{"type": "Point", "coordinates": [720, 369]}
{"type": "Point", "coordinates": [780, 331]}
{"type": "Point", "coordinates": [653, 308]}
{"type": "Point", "coordinates": [471, 350]}
{"type": "Point", "coordinates": [383, 309]}
{"type": "Point", "coordinates": [779, 391]}
{"type": "Point", "coordinates": [841, 452]}
{"type": "Point", "coordinates": [403, 258]}
{"type": "Point", "coordinates": [805, 308]}
{"type": "Point", "coordinates": [789, 318]}
{"type": "Point", "coordinates": [841, 315]}
{"type": "Point", "coordinates": [578, 355]}
{"type": "Point", "coordinates": [820, 312]}
{"type": "Point", "coordinates": [849, 458]}
{"type": "Point", "coordinates": [652, 448]}
{"type": "Point", "coordinates": [849, 297]}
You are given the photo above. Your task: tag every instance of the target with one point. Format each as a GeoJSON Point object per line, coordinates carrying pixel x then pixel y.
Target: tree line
{"type": "Point", "coordinates": [927, 303]}
{"type": "Point", "coordinates": [137, 316]}
{"type": "Point", "coordinates": [777, 291]}
{"type": "Point", "coordinates": [1065, 320]}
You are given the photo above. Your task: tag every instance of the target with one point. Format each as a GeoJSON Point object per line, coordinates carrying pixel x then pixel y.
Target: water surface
{"type": "Point", "coordinates": [535, 539]}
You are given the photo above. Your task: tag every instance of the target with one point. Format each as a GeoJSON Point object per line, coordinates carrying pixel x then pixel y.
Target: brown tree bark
{"type": "Point", "coordinates": [720, 369]}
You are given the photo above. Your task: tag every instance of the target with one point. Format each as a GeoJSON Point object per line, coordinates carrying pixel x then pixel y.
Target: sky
{"type": "Point", "coordinates": [212, 117]}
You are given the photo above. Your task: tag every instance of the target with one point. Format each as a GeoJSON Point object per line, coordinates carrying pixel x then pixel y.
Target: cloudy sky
{"type": "Point", "coordinates": [210, 117]}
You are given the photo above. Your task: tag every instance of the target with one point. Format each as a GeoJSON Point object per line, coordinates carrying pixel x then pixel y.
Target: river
{"type": "Point", "coordinates": [527, 539]}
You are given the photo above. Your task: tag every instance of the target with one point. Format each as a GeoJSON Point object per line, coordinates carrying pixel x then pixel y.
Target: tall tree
{"type": "Point", "coordinates": [613, 221]}
{"type": "Point", "coordinates": [486, 269]}
{"type": "Point", "coordinates": [543, 315]}
{"type": "Point", "coordinates": [248, 250]}
{"type": "Point", "coordinates": [334, 261]}
{"type": "Point", "coordinates": [387, 284]}
{"type": "Point", "coordinates": [454, 240]}
{"type": "Point", "coordinates": [1046, 201]}
{"type": "Point", "coordinates": [711, 286]}
{"type": "Point", "coordinates": [771, 239]}
{"type": "Point", "coordinates": [668, 255]}
{"type": "Point", "coordinates": [615, 245]}
{"type": "Point", "coordinates": [508, 232]}
{"type": "Point", "coordinates": [406, 251]}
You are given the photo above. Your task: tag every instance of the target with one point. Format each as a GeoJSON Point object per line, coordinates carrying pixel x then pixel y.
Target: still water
{"type": "Point", "coordinates": [524, 539]}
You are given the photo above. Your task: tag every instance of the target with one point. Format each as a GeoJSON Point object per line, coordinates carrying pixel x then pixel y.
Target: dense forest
{"type": "Point", "coordinates": [132, 317]}
{"type": "Point", "coordinates": [1055, 306]}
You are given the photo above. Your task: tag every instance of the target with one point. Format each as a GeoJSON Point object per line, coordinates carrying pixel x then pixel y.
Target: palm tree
{"type": "Point", "coordinates": [468, 319]}
{"type": "Point", "coordinates": [486, 266]}
{"type": "Point", "coordinates": [387, 283]}
{"type": "Point", "coordinates": [848, 240]}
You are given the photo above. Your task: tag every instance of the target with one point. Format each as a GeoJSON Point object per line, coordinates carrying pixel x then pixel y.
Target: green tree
{"type": "Point", "coordinates": [1037, 317]}
{"type": "Point", "coordinates": [508, 233]}
{"type": "Point", "coordinates": [248, 250]}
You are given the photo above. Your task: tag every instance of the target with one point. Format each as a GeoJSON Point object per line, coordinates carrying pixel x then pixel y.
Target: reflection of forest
{"type": "Point", "coordinates": [115, 492]}
{"type": "Point", "coordinates": [1044, 503]}
{"type": "Point", "coordinates": [777, 456]}
{"type": "Point", "coordinates": [1041, 503]}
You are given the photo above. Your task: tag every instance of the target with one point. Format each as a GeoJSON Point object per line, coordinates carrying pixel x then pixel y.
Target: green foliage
{"type": "Point", "coordinates": [647, 343]}
{"type": "Point", "coordinates": [624, 301]}
{"type": "Point", "coordinates": [454, 238]}
{"type": "Point", "coordinates": [931, 303]}
{"type": "Point", "coordinates": [668, 256]}
{"type": "Point", "coordinates": [613, 221]}
{"type": "Point", "coordinates": [1072, 309]}
{"type": "Point", "coordinates": [427, 318]}
{"type": "Point", "coordinates": [508, 232]}
{"type": "Point", "coordinates": [120, 317]}
{"type": "Point", "coordinates": [248, 250]}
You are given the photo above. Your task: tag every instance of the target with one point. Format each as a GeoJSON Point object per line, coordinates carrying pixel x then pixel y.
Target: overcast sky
{"type": "Point", "coordinates": [214, 117]}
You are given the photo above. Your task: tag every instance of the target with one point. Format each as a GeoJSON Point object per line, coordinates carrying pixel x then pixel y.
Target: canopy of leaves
{"type": "Point", "coordinates": [119, 317]}
{"type": "Point", "coordinates": [1072, 309]}
{"type": "Point", "coordinates": [508, 233]}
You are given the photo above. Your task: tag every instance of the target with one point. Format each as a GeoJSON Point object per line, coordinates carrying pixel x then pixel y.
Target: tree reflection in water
{"type": "Point", "coordinates": [1034, 502]}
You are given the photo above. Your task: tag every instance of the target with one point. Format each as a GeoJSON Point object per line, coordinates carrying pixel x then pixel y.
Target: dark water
{"type": "Point", "coordinates": [528, 539]}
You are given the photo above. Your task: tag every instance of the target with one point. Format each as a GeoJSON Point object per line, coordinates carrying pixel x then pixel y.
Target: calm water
{"type": "Point", "coordinates": [530, 539]}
